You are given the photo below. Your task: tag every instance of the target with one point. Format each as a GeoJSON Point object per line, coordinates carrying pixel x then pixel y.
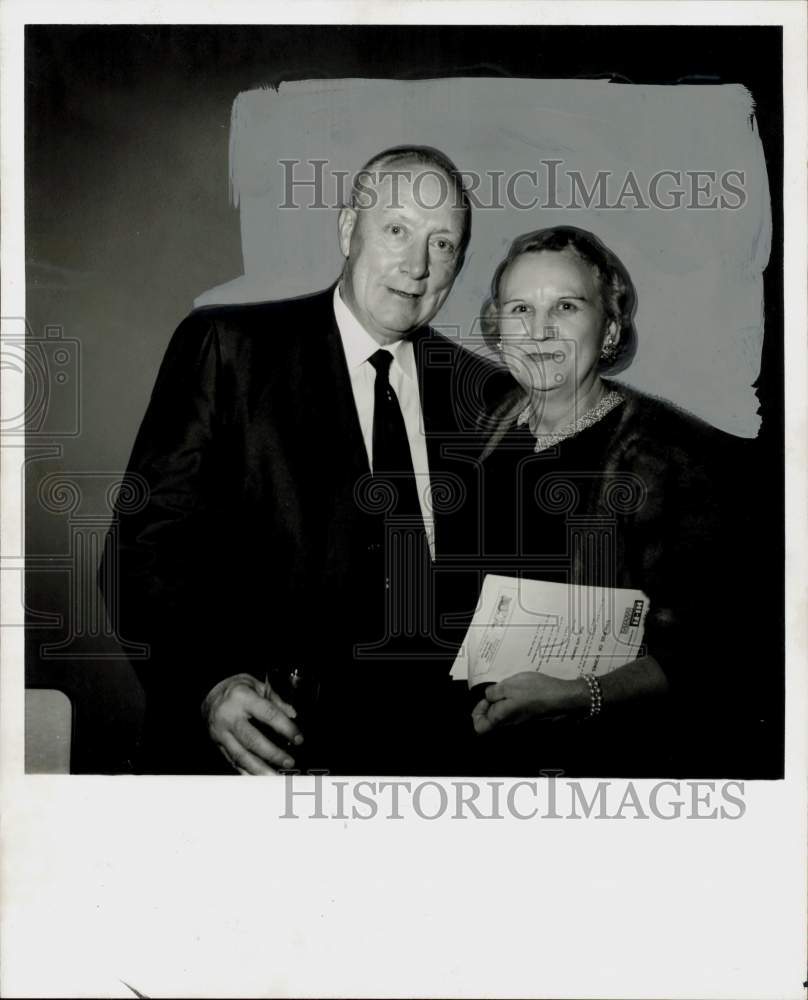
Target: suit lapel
{"type": "Point", "coordinates": [340, 449]}
{"type": "Point", "coordinates": [329, 404]}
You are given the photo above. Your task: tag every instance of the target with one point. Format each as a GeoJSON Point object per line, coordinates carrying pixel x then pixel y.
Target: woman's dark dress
{"type": "Point", "coordinates": [645, 498]}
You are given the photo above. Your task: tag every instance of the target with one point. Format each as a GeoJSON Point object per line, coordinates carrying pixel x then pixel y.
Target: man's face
{"type": "Point", "coordinates": [402, 251]}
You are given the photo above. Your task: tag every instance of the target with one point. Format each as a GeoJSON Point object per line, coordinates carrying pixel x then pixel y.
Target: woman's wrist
{"type": "Point", "coordinates": [580, 703]}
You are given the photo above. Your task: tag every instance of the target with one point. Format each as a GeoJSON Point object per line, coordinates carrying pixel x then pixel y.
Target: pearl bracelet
{"type": "Point", "coordinates": [595, 694]}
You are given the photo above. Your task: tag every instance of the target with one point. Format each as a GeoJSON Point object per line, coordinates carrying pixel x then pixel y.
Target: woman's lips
{"type": "Point", "coordinates": [557, 356]}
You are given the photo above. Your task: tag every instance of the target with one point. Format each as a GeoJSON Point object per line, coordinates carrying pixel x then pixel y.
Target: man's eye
{"type": "Point", "coordinates": [445, 246]}
{"type": "Point", "coordinates": [395, 230]}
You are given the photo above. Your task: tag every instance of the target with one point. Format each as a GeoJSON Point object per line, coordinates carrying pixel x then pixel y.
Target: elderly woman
{"type": "Point", "coordinates": [587, 481]}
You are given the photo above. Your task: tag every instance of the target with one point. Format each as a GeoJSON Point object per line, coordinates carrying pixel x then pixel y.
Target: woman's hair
{"type": "Point", "coordinates": [617, 291]}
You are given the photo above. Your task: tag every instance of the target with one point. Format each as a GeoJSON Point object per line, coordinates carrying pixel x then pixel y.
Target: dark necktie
{"type": "Point", "coordinates": [392, 459]}
{"type": "Point", "coordinates": [405, 552]}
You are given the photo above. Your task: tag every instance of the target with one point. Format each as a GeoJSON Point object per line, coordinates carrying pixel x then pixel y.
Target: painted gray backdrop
{"type": "Point", "coordinates": [538, 147]}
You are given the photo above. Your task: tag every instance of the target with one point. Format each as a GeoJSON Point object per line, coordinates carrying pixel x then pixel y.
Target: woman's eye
{"type": "Point", "coordinates": [519, 308]}
{"type": "Point", "coordinates": [567, 307]}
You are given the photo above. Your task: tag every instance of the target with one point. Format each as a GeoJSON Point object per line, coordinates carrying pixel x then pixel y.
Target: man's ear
{"type": "Point", "coordinates": [346, 226]}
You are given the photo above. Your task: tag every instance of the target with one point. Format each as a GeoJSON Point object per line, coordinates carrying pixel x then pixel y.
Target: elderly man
{"type": "Point", "coordinates": [293, 451]}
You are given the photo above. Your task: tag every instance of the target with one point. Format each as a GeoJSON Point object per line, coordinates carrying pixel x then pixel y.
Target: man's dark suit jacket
{"type": "Point", "coordinates": [258, 546]}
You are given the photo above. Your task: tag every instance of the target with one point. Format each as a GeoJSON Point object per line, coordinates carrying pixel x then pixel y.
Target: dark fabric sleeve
{"type": "Point", "coordinates": [684, 545]}
{"type": "Point", "coordinates": [163, 552]}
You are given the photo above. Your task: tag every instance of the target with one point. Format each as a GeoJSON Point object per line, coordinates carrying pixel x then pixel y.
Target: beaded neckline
{"type": "Point", "coordinates": [606, 404]}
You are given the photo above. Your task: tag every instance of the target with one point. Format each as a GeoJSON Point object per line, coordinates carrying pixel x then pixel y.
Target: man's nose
{"type": "Point", "coordinates": [416, 259]}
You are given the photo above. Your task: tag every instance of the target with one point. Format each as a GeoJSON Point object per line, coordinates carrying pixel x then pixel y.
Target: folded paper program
{"type": "Point", "coordinates": [563, 630]}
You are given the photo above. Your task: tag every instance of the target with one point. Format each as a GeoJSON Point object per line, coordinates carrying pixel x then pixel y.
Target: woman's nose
{"type": "Point", "coordinates": [543, 328]}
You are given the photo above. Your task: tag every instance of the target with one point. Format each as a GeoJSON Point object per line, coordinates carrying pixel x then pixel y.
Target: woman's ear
{"type": "Point", "coordinates": [346, 225]}
{"type": "Point", "coordinates": [612, 335]}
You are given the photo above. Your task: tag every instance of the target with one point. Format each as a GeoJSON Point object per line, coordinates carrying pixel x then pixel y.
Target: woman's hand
{"type": "Point", "coordinates": [529, 696]}
{"type": "Point", "coordinates": [536, 696]}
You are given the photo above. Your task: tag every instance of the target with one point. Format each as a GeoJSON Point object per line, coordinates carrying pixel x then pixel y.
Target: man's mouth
{"type": "Point", "coordinates": [405, 295]}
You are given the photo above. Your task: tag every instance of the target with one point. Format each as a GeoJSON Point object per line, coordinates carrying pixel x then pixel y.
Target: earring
{"type": "Point", "coordinates": [608, 354]}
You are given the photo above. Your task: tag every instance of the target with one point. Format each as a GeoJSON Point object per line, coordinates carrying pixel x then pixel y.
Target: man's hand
{"type": "Point", "coordinates": [528, 696]}
{"type": "Point", "coordinates": [228, 712]}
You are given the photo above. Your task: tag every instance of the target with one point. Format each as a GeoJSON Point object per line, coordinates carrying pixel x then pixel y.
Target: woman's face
{"type": "Point", "coordinates": [552, 323]}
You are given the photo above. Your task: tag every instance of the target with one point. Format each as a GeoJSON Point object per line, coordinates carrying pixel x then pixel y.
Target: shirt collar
{"type": "Point", "coordinates": [359, 345]}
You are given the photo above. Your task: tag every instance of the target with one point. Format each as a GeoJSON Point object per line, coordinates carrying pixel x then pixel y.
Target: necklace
{"type": "Point", "coordinates": [605, 404]}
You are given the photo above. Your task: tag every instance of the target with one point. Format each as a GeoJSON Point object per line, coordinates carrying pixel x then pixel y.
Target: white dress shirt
{"type": "Point", "coordinates": [358, 346]}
